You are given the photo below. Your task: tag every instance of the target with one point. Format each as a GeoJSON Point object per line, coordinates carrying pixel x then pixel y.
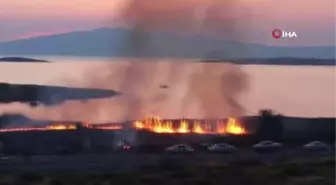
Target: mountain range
{"type": "Point", "coordinates": [120, 42]}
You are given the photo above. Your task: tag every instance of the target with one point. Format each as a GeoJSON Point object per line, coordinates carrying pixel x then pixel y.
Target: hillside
{"type": "Point", "coordinates": [48, 95]}
{"type": "Point", "coordinates": [288, 61]}
{"type": "Point", "coordinates": [119, 42]}
{"type": "Point", "coordinates": [20, 59]}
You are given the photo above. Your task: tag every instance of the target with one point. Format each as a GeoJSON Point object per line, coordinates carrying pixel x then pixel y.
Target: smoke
{"type": "Point", "coordinates": [188, 16]}
{"type": "Point", "coordinates": [215, 87]}
{"type": "Point", "coordinates": [137, 76]}
{"type": "Point", "coordinates": [194, 90]}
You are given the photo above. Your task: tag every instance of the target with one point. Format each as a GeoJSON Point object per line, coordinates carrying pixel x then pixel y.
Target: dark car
{"type": "Point", "coordinates": [123, 145]}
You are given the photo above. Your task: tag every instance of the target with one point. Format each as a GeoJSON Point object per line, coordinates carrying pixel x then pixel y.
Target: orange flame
{"type": "Point", "coordinates": [155, 124]}
{"type": "Point", "coordinates": [112, 127]}
{"type": "Point", "coordinates": [61, 126]}
{"type": "Point", "coordinates": [233, 127]}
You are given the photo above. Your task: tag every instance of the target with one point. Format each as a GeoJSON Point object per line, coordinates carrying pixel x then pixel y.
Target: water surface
{"type": "Point", "coordinates": [307, 91]}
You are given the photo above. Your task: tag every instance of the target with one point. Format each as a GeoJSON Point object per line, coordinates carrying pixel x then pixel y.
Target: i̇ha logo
{"type": "Point", "coordinates": [277, 34]}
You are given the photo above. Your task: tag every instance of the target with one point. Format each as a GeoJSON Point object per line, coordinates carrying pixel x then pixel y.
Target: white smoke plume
{"type": "Point", "coordinates": [194, 90]}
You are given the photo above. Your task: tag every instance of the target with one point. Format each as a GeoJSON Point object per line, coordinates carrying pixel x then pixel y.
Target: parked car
{"type": "Point", "coordinates": [179, 148]}
{"type": "Point", "coordinates": [316, 145]}
{"type": "Point", "coordinates": [267, 146]}
{"type": "Point", "coordinates": [222, 147]}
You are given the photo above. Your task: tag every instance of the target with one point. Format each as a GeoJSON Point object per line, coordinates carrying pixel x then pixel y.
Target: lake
{"type": "Point", "coordinates": [176, 89]}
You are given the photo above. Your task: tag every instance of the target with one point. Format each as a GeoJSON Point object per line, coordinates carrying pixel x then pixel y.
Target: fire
{"type": "Point", "coordinates": [62, 126]}
{"type": "Point", "coordinates": [197, 128]}
{"type": "Point", "coordinates": [184, 127]}
{"type": "Point", "coordinates": [233, 127]}
{"type": "Point", "coordinates": [21, 129]}
{"type": "Point", "coordinates": [155, 124]}
{"type": "Point", "coordinates": [112, 127]}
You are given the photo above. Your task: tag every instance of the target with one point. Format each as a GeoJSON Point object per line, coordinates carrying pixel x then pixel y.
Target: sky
{"type": "Point", "coordinates": [312, 20]}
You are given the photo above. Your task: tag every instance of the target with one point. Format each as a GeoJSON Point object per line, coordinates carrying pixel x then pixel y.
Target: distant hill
{"type": "Point", "coordinates": [49, 95]}
{"type": "Point", "coordinates": [18, 120]}
{"type": "Point", "coordinates": [288, 61]}
{"type": "Point", "coordinates": [119, 42]}
{"type": "Point", "coordinates": [20, 59]}
{"type": "Point", "coordinates": [281, 61]}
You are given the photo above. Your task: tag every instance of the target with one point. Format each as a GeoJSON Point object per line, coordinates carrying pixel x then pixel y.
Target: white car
{"type": "Point", "coordinates": [267, 145]}
{"type": "Point", "coordinates": [222, 147]}
{"type": "Point", "coordinates": [180, 148]}
{"type": "Point", "coordinates": [316, 145]}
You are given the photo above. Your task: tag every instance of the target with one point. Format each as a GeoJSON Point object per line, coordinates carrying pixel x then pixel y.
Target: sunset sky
{"type": "Point", "coordinates": [312, 20]}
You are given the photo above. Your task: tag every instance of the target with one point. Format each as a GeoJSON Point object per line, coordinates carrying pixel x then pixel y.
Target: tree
{"type": "Point", "coordinates": [270, 126]}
